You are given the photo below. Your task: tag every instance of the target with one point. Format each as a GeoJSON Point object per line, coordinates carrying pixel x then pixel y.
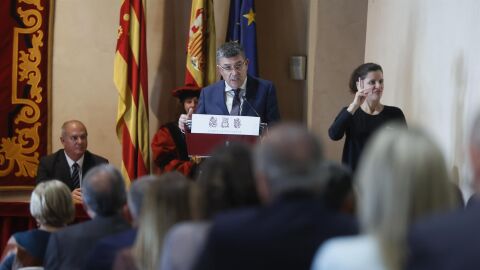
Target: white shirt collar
{"type": "Point", "coordinates": [71, 162]}
{"type": "Point", "coordinates": [243, 87]}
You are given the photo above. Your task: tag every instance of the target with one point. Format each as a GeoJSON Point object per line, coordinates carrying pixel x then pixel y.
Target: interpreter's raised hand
{"type": "Point", "coordinates": [182, 120]}
{"type": "Point", "coordinates": [77, 195]}
{"type": "Point", "coordinates": [360, 96]}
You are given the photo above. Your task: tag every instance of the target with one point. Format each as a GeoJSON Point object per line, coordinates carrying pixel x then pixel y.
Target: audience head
{"type": "Point", "coordinates": [474, 148]}
{"type": "Point", "coordinates": [226, 180]}
{"type": "Point", "coordinates": [361, 73]}
{"type": "Point", "coordinates": [232, 64]}
{"type": "Point", "coordinates": [137, 192]}
{"type": "Point", "coordinates": [402, 177]}
{"type": "Point", "coordinates": [338, 191]}
{"type": "Point", "coordinates": [51, 204]}
{"type": "Point", "coordinates": [287, 160]}
{"type": "Point", "coordinates": [74, 139]}
{"type": "Point", "coordinates": [166, 203]}
{"type": "Point", "coordinates": [103, 190]}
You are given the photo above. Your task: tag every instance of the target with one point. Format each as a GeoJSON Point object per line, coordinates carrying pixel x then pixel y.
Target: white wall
{"type": "Point", "coordinates": [430, 52]}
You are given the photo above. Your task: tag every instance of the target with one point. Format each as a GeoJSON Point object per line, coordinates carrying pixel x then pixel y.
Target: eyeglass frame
{"type": "Point", "coordinates": [237, 67]}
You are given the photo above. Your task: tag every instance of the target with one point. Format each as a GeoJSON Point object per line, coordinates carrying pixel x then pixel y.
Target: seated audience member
{"type": "Point", "coordinates": [451, 241]}
{"type": "Point", "coordinates": [401, 178]}
{"type": "Point", "coordinates": [294, 221]}
{"type": "Point", "coordinates": [51, 205]}
{"type": "Point", "coordinates": [338, 192]}
{"type": "Point", "coordinates": [71, 163]}
{"type": "Point", "coordinates": [166, 203]}
{"type": "Point", "coordinates": [225, 183]}
{"type": "Point", "coordinates": [104, 197]}
{"type": "Point", "coordinates": [104, 252]}
{"type": "Point", "coordinates": [169, 148]}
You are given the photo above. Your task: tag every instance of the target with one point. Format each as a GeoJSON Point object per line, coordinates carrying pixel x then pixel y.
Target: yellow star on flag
{"type": "Point", "coordinates": [250, 16]}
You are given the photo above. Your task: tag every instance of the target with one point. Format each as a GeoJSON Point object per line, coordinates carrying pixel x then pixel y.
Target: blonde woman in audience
{"type": "Point", "coordinates": [165, 203]}
{"type": "Point", "coordinates": [401, 178]}
{"type": "Point", "coordinates": [51, 205]}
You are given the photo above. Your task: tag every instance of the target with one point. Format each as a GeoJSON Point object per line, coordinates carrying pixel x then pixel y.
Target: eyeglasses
{"type": "Point", "coordinates": [237, 67]}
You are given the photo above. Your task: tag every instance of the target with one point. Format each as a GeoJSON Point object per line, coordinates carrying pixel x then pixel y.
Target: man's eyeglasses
{"type": "Point", "coordinates": [237, 67]}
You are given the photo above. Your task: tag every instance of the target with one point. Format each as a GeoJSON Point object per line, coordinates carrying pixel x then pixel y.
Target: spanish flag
{"type": "Point", "coordinates": [200, 70]}
{"type": "Point", "coordinates": [130, 78]}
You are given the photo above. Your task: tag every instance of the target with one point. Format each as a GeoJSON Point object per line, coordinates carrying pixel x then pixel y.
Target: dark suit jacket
{"type": "Point", "coordinates": [69, 247]}
{"type": "Point", "coordinates": [449, 241]}
{"type": "Point", "coordinates": [103, 254]}
{"type": "Point", "coordinates": [260, 94]}
{"type": "Point", "coordinates": [284, 235]}
{"type": "Point", "coordinates": [55, 166]}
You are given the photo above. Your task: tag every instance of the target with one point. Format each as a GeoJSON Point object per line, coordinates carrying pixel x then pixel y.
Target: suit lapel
{"type": "Point", "coordinates": [63, 169]}
{"type": "Point", "coordinates": [251, 92]}
{"type": "Point", "coordinates": [221, 101]}
{"type": "Point", "coordinates": [86, 163]}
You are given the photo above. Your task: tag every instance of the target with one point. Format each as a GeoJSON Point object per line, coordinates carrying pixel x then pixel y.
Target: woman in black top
{"type": "Point", "coordinates": [365, 114]}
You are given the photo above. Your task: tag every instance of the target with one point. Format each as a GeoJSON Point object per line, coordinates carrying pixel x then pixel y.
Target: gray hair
{"type": "Point", "coordinates": [103, 190]}
{"type": "Point", "coordinates": [51, 204]}
{"type": "Point", "coordinates": [230, 49]}
{"type": "Point", "coordinates": [289, 157]}
{"type": "Point", "coordinates": [402, 176]}
{"type": "Point", "coordinates": [136, 193]}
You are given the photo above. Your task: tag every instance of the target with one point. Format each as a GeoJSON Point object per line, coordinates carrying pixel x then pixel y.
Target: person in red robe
{"type": "Point", "coordinates": [168, 144]}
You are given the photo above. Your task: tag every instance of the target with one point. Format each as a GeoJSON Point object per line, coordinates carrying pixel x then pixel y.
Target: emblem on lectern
{"type": "Point", "coordinates": [237, 123]}
{"type": "Point", "coordinates": [213, 122]}
{"type": "Point", "coordinates": [225, 122]}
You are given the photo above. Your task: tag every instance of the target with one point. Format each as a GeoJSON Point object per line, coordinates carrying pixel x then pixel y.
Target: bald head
{"type": "Point", "coordinates": [74, 139]}
{"type": "Point", "coordinates": [288, 158]}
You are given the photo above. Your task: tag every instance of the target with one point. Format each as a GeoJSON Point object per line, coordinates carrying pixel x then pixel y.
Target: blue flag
{"type": "Point", "coordinates": [242, 29]}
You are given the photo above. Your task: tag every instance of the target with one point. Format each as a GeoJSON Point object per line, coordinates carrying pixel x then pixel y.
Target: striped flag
{"type": "Point", "coordinates": [242, 28]}
{"type": "Point", "coordinates": [200, 70]}
{"type": "Point", "coordinates": [130, 78]}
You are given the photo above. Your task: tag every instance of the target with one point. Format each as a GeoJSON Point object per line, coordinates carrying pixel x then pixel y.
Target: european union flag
{"type": "Point", "coordinates": [242, 29]}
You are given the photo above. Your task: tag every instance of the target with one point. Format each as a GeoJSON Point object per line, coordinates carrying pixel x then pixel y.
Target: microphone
{"type": "Point", "coordinates": [250, 105]}
{"type": "Point", "coordinates": [263, 126]}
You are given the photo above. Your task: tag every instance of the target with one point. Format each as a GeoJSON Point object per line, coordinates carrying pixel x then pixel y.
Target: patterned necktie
{"type": "Point", "coordinates": [76, 175]}
{"type": "Point", "coordinates": [236, 103]}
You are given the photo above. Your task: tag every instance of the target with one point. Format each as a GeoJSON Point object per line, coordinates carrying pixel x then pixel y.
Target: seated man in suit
{"type": "Point", "coordinates": [72, 162]}
{"type": "Point", "coordinates": [451, 241]}
{"type": "Point", "coordinates": [104, 197]}
{"type": "Point", "coordinates": [294, 221]}
{"type": "Point", "coordinates": [238, 93]}
{"type": "Point", "coordinates": [103, 253]}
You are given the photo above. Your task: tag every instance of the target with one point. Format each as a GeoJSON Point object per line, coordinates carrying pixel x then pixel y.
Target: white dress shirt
{"type": "Point", "coordinates": [80, 165]}
{"type": "Point", "coordinates": [230, 94]}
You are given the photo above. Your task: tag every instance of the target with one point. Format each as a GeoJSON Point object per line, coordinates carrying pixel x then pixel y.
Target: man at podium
{"type": "Point", "coordinates": [238, 93]}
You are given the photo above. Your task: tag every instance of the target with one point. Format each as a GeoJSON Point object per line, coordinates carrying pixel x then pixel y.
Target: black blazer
{"type": "Point", "coordinates": [55, 166]}
{"type": "Point", "coordinates": [260, 94]}
{"type": "Point", "coordinates": [284, 235]}
{"type": "Point", "coordinates": [69, 248]}
{"type": "Point", "coordinates": [448, 241]}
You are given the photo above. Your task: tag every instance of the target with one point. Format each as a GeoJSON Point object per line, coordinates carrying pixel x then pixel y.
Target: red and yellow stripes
{"type": "Point", "coordinates": [131, 80]}
{"type": "Point", "coordinates": [200, 70]}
